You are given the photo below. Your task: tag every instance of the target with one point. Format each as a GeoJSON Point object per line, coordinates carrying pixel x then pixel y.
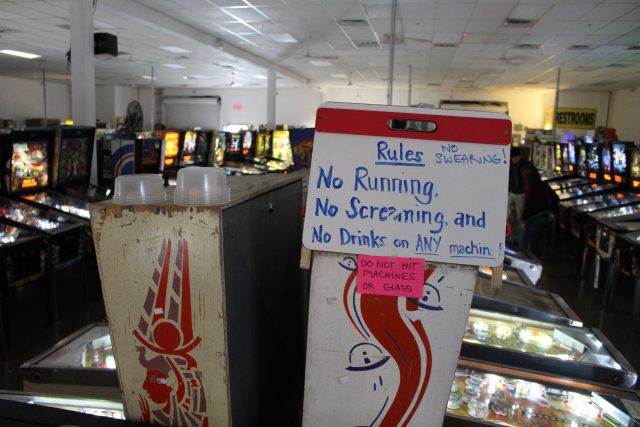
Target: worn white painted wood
{"type": "Point", "coordinates": [167, 369]}
{"type": "Point", "coordinates": [380, 360]}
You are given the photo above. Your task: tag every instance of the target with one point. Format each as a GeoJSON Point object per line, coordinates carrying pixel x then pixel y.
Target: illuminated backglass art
{"type": "Point", "coordinates": [171, 148]}
{"type": "Point", "coordinates": [74, 159]}
{"type": "Point", "coordinates": [29, 166]}
{"type": "Point", "coordinates": [189, 148]}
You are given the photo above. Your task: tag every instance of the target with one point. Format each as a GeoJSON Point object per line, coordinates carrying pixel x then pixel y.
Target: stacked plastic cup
{"type": "Point", "coordinates": [201, 186]}
{"type": "Point", "coordinates": [139, 189]}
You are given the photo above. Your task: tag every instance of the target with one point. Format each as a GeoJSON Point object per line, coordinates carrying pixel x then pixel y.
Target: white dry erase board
{"type": "Point", "coordinates": [409, 182]}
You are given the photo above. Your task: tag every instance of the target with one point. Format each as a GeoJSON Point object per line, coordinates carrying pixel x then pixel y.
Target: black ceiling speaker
{"type": "Point", "coordinates": [105, 44]}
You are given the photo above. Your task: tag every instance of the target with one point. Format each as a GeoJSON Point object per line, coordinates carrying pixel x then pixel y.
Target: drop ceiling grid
{"type": "Point", "coordinates": [475, 23]}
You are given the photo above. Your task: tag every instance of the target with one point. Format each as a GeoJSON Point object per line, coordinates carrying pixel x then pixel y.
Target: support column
{"type": "Point", "coordinates": [271, 99]}
{"type": "Point", "coordinates": [83, 74]}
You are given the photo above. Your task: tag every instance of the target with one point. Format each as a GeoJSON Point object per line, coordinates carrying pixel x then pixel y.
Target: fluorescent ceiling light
{"type": "Point", "coordinates": [194, 77]}
{"type": "Point", "coordinates": [320, 63]}
{"type": "Point", "coordinates": [283, 38]}
{"type": "Point", "coordinates": [339, 76]}
{"type": "Point", "coordinates": [20, 54]}
{"type": "Point", "coordinates": [260, 76]}
{"type": "Point", "coordinates": [174, 66]}
{"type": "Point", "coordinates": [174, 49]}
{"type": "Point", "coordinates": [148, 77]}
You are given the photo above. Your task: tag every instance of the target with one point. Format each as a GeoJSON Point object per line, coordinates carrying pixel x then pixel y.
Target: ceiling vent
{"type": "Point", "coordinates": [603, 83]}
{"type": "Point", "coordinates": [579, 47]}
{"type": "Point", "coordinates": [352, 22]}
{"type": "Point", "coordinates": [366, 43]}
{"type": "Point", "coordinates": [445, 45]}
{"type": "Point", "coordinates": [5, 30]}
{"type": "Point", "coordinates": [433, 84]}
{"type": "Point", "coordinates": [526, 46]}
{"type": "Point", "coordinates": [636, 47]}
{"type": "Point", "coordinates": [515, 22]}
{"type": "Point", "coordinates": [617, 66]}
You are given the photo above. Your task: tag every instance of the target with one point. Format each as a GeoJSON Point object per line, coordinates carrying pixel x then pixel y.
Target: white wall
{"type": "Point", "coordinates": [624, 114]}
{"type": "Point", "coordinates": [525, 106]}
{"type": "Point", "coordinates": [105, 107]}
{"type": "Point", "coordinates": [22, 99]}
{"type": "Point", "coordinates": [294, 106]}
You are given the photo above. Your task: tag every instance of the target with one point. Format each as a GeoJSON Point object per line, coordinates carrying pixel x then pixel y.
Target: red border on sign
{"type": "Point", "coordinates": [448, 128]}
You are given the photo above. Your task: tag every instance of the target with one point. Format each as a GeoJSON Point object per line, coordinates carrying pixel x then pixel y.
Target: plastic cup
{"type": "Point", "coordinates": [201, 186]}
{"type": "Point", "coordinates": [139, 189]}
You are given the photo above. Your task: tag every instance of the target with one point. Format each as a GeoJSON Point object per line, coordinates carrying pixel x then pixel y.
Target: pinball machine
{"type": "Point", "coordinates": [595, 175]}
{"type": "Point", "coordinates": [236, 162]}
{"type": "Point", "coordinates": [572, 214]}
{"type": "Point", "coordinates": [32, 176]}
{"type": "Point", "coordinates": [484, 394]}
{"type": "Point", "coordinates": [557, 350]}
{"type": "Point", "coordinates": [526, 360]}
{"type": "Point", "coordinates": [510, 274]}
{"type": "Point", "coordinates": [147, 155]}
{"type": "Point", "coordinates": [217, 149]}
{"type": "Point", "coordinates": [532, 303]}
{"type": "Point", "coordinates": [71, 157]}
{"type": "Point", "coordinates": [23, 289]}
{"type": "Point", "coordinates": [66, 237]}
{"type": "Point", "coordinates": [203, 142]}
{"type": "Point", "coordinates": [186, 156]}
{"type": "Point", "coordinates": [82, 364]}
{"type": "Point", "coordinates": [170, 150]}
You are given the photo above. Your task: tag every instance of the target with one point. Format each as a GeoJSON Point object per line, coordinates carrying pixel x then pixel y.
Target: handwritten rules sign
{"type": "Point", "coordinates": [439, 196]}
{"type": "Point", "coordinates": [402, 277]}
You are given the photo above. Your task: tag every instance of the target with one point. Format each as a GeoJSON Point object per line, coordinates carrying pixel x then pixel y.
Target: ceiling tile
{"type": "Point", "coordinates": [618, 28]}
{"type": "Point", "coordinates": [483, 26]}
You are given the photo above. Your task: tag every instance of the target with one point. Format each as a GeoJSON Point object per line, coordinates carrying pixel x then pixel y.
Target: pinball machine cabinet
{"type": "Point", "coordinates": [207, 298]}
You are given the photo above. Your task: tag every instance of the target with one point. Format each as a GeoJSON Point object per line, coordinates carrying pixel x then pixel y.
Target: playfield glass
{"type": "Point", "coordinates": [8, 234]}
{"type": "Point", "coordinates": [606, 159]}
{"type": "Point", "coordinates": [61, 203]}
{"type": "Point", "coordinates": [74, 159]}
{"type": "Point", "coordinates": [100, 408]}
{"type": "Point", "coordinates": [171, 148]}
{"type": "Point", "coordinates": [26, 214]}
{"type": "Point", "coordinates": [189, 148]}
{"type": "Point", "coordinates": [91, 349]}
{"type": "Point", "coordinates": [534, 337]}
{"type": "Point", "coordinates": [508, 401]}
{"type": "Point", "coordinates": [29, 166]}
{"type": "Point", "coordinates": [619, 159]}
{"type": "Point", "coordinates": [558, 157]}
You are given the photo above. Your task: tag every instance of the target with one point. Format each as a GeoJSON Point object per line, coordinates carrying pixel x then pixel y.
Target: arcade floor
{"type": "Point", "coordinates": [560, 276]}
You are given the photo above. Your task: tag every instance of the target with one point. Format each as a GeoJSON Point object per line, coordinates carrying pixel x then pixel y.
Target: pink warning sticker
{"type": "Point", "coordinates": [392, 276]}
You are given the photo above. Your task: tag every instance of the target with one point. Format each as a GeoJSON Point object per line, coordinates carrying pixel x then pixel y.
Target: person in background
{"type": "Point", "coordinates": [539, 202]}
{"type": "Point", "coordinates": [516, 193]}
